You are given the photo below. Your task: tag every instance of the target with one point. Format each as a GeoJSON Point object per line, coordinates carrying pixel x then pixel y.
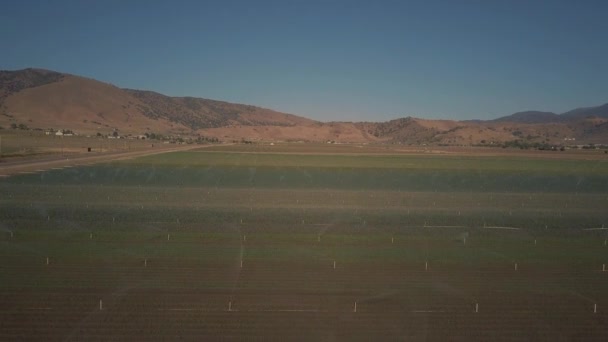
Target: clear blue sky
{"type": "Point", "coordinates": [328, 60]}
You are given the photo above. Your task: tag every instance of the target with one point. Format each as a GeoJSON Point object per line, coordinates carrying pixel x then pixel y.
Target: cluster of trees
{"type": "Point", "coordinates": [19, 126]}
{"type": "Point", "coordinates": [593, 147]}
{"type": "Point", "coordinates": [203, 140]}
{"type": "Point", "coordinates": [200, 139]}
{"type": "Point", "coordinates": [524, 145]}
{"type": "Point", "coordinates": [243, 141]}
{"type": "Point", "coordinates": [154, 136]}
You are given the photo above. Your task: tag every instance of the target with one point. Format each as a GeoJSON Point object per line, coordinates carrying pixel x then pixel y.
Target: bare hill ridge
{"type": "Point", "coordinates": [39, 98]}
{"type": "Point", "coordinates": [46, 99]}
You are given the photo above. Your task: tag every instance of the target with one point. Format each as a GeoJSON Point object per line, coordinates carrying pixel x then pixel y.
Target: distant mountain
{"type": "Point", "coordinates": [42, 99]}
{"type": "Point", "coordinates": [588, 112]}
{"type": "Point", "coordinates": [533, 117]}
{"type": "Point", "coordinates": [530, 117]}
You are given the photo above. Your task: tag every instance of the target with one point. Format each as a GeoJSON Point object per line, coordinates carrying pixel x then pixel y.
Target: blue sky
{"type": "Point", "coordinates": [328, 60]}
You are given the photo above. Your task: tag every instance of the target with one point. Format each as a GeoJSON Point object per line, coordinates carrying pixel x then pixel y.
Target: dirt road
{"type": "Point", "coordinates": [37, 165]}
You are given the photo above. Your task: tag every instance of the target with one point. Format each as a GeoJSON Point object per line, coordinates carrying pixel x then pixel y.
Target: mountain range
{"type": "Point", "coordinates": [43, 99]}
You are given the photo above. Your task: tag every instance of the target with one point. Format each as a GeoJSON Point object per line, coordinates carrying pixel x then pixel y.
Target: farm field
{"type": "Point", "coordinates": [16, 145]}
{"type": "Point", "coordinates": [244, 242]}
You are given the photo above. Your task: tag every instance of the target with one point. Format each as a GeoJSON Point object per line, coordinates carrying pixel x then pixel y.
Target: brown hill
{"type": "Point", "coordinates": [13, 82]}
{"type": "Point", "coordinates": [46, 99]}
{"type": "Point", "coordinates": [341, 132]}
{"type": "Point", "coordinates": [79, 104]}
{"type": "Point", "coordinates": [197, 113]}
{"type": "Point", "coordinates": [414, 131]}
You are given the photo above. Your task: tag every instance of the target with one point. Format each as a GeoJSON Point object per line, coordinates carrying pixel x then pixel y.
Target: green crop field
{"type": "Point", "coordinates": [314, 244]}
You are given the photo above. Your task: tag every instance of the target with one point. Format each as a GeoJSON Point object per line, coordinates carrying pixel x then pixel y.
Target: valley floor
{"type": "Point", "coordinates": [246, 242]}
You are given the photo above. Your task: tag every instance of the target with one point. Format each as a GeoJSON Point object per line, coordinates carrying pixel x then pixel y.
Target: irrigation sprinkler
{"type": "Point", "coordinates": [11, 234]}
{"type": "Point", "coordinates": [476, 307]}
{"type": "Point", "coordinates": [241, 221]}
{"type": "Point", "coordinates": [145, 262]}
{"type": "Point", "coordinates": [177, 221]}
{"type": "Point", "coordinates": [48, 217]}
{"type": "Point", "coordinates": [355, 308]}
{"type": "Point", "coordinates": [319, 238]}
{"type": "Point", "coordinates": [426, 265]}
{"type": "Point", "coordinates": [100, 304]}
{"type": "Point", "coordinates": [334, 264]}
{"type": "Point", "coordinates": [229, 306]}
{"type": "Point", "coordinates": [113, 219]}
{"type": "Point", "coordinates": [241, 263]}
{"type": "Point", "coordinates": [594, 308]}
{"type": "Point", "coordinates": [244, 238]}
{"type": "Point", "coordinates": [47, 261]}
{"type": "Point", "coordinates": [392, 239]}
{"type": "Point", "coordinates": [603, 267]}
{"type": "Point", "coordinates": [90, 236]}
{"type": "Point", "coordinates": [534, 242]}
{"type": "Point", "coordinates": [516, 266]}
{"type": "Point", "coordinates": [168, 237]}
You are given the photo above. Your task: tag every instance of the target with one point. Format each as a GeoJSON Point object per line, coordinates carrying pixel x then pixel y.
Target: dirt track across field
{"type": "Point", "coordinates": [37, 165]}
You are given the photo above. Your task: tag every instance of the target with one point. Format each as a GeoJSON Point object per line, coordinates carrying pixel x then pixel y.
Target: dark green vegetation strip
{"type": "Point", "coordinates": [348, 172]}
{"type": "Point", "coordinates": [408, 162]}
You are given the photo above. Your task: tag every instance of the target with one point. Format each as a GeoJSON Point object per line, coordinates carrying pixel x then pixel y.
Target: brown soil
{"type": "Point", "coordinates": [45, 163]}
{"type": "Point", "coordinates": [418, 305]}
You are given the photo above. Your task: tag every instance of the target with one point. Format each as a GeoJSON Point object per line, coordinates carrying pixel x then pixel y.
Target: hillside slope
{"type": "Point", "coordinates": [197, 113]}
{"type": "Point", "coordinates": [46, 99]}
{"type": "Point", "coordinates": [43, 99]}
